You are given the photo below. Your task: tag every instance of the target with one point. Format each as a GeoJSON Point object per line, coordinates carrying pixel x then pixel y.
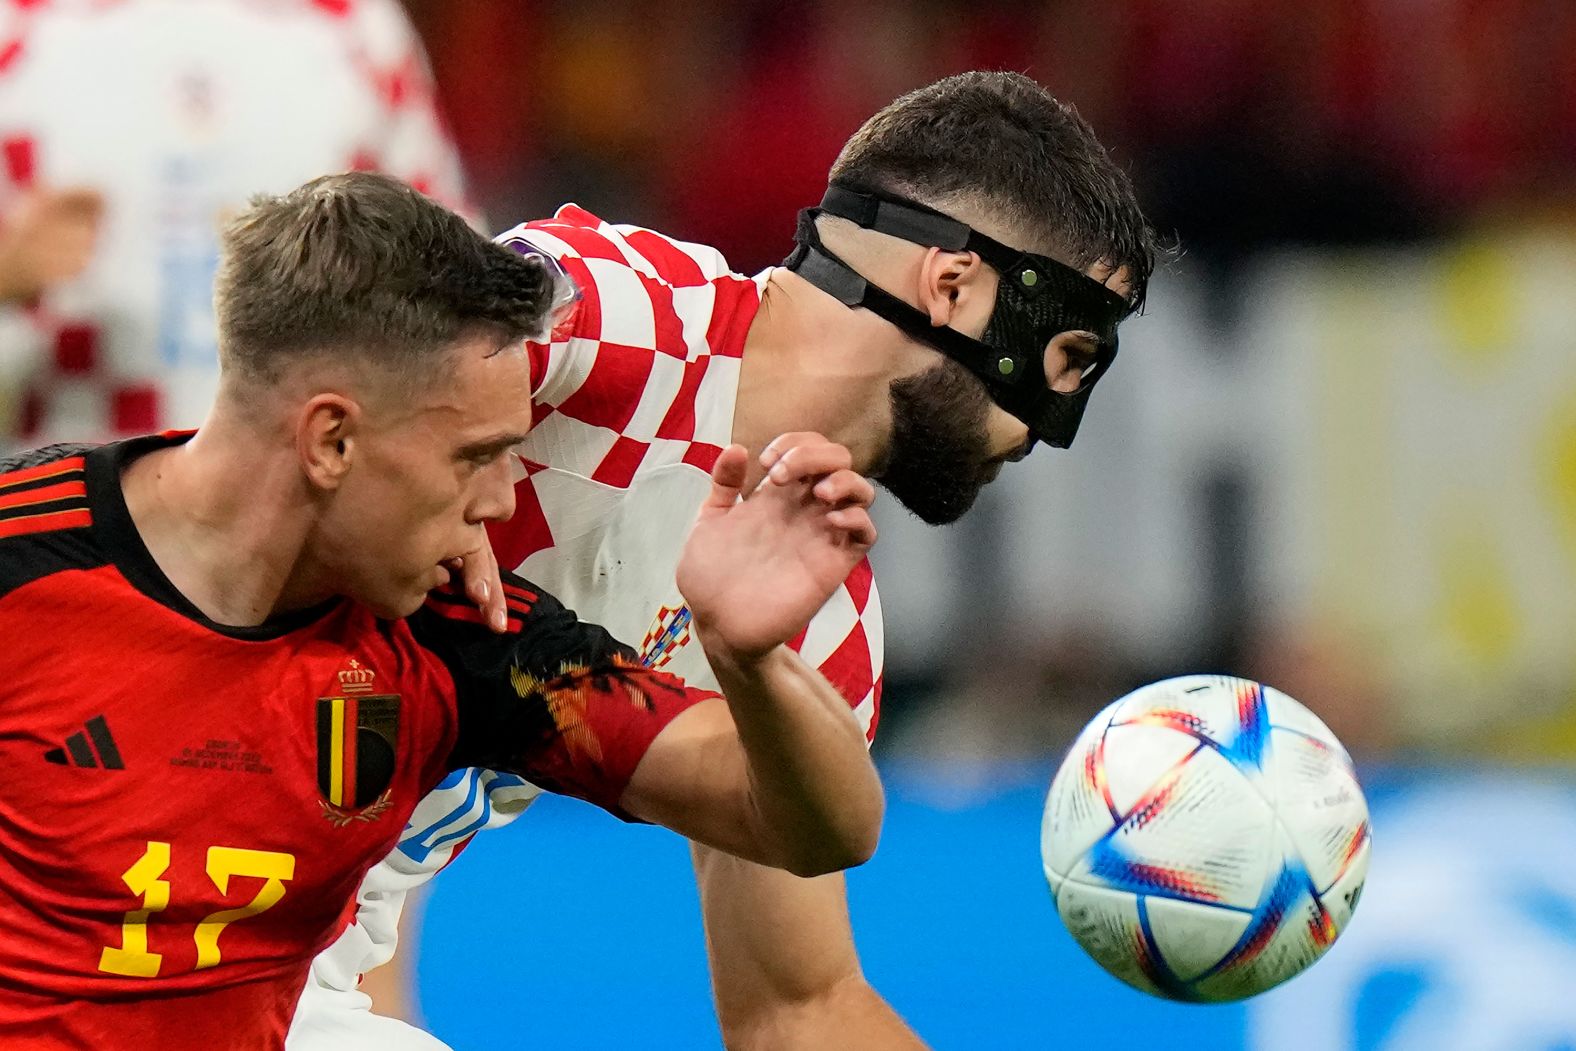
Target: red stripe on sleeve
{"type": "Point", "coordinates": [469, 614]}
{"type": "Point", "coordinates": [58, 491]}
{"type": "Point", "coordinates": [75, 519]}
{"type": "Point", "coordinates": [43, 470]}
{"type": "Point", "coordinates": [525, 597]}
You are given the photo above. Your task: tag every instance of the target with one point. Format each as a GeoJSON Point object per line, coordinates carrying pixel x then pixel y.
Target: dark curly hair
{"type": "Point", "coordinates": [1001, 142]}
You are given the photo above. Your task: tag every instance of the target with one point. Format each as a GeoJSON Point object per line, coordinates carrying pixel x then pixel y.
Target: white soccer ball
{"type": "Point", "coordinates": [1205, 838]}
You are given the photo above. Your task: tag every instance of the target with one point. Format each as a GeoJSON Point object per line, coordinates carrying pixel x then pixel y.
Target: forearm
{"type": "Point", "coordinates": [847, 1014]}
{"type": "Point", "coordinates": [815, 799]}
{"type": "Point", "coordinates": [783, 965]}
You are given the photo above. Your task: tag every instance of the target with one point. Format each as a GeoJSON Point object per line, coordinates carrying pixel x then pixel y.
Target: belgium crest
{"type": "Point", "coordinates": [357, 739]}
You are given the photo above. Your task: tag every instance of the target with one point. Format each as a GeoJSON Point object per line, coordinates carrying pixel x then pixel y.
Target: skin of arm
{"type": "Point", "coordinates": [785, 788]}
{"type": "Point", "coordinates": [779, 773]}
{"type": "Point", "coordinates": [784, 970]}
{"type": "Point", "coordinates": [743, 774]}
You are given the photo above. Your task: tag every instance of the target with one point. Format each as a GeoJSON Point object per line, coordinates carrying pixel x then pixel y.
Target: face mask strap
{"type": "Point", "coordinates": [1031, 273]}
{"type": "Point", "coordinates": [1011, 367]}
{"type": "Point", "coordinates": [817, 264]}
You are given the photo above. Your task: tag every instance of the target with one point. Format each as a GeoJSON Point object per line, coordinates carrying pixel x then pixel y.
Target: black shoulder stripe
{"type": "Point", "coordinates": [41, 534]}
{"type": "Point", "coordinates": [39, 508]}
{"type": "Point", "coordinates": [28, 481]}
{"type": "Point", "coordinates": [24, 559]}
{"type": "Point", "coordinates": [37, 457]}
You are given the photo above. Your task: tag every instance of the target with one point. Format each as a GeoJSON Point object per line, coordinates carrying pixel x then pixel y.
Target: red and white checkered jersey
{"type": "Point", "coordinates": [634, 401]}
{"type": "Point", "coordinates": [177, 112]}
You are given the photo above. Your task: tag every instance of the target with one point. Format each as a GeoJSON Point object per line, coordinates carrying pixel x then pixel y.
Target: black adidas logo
{"type": "Point", "coordinates": [78, 752]}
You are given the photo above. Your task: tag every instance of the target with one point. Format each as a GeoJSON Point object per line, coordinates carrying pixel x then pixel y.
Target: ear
{"type": "Point", "coordinates": [326, 433]}
{"type": "Point", "coordinates": [956, 288]}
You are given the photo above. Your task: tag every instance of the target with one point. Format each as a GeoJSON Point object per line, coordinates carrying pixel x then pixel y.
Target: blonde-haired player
{"type": "Point", "coordinates": [904, 328]}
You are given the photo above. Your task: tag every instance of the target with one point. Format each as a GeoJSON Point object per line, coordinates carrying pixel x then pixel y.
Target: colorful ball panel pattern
{"type": "Point", "coordinates": [1205, 838]}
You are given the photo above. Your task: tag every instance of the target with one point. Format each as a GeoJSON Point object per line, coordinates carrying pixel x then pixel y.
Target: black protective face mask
{"type": "Point", "coordinates": [1037, 299]}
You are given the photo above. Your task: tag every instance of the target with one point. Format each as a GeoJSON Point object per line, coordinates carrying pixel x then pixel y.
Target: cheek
{"type": "Point", "coordinates": [409, 507]}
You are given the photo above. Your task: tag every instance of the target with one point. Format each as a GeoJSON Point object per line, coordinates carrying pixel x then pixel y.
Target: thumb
{"type": "Point", "coordinates": [727, 479]}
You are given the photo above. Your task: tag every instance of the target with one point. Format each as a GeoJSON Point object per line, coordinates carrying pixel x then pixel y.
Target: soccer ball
{"type": "Point", "coordinates": [1205, 838]}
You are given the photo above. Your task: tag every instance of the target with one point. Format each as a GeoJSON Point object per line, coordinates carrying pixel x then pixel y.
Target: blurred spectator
{"type": "Point", "coordinates": [1342, 121]}
{"type": "Point", "coordinates": [150, 120]}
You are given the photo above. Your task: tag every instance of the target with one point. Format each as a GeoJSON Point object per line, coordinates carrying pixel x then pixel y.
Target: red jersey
{"type": "Point", "coordinates": [189, 807]}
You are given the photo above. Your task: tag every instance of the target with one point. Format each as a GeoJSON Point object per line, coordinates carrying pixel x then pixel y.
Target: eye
{"type": "Point", "coordinates": [1085, 359]}
{"type": "Point", "coordinates": [476, 461]}
{"type": "Point", "coordinates": [1070, 364]}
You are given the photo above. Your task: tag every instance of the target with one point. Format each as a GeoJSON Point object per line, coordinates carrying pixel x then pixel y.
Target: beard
{"type": "Point", "coordinates": [940, 455]}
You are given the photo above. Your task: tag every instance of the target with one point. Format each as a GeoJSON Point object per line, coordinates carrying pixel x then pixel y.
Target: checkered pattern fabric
{"type": "Point", "coordinates": [644, 372]}
{"type": "Point", "coordinates": [176, 114]}
{"type": "Point", "coordinates": [634, 395]}
{"type": "Point", "coordinates": [643, 377]}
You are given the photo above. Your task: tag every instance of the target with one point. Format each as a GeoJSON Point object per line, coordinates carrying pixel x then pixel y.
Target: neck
{"type": "Point", "coordinates": [811, 364]}
{"type": "Point", "coordinates": [227, 519]}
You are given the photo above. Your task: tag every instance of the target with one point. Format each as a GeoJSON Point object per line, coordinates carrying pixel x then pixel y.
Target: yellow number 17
{"type": "Point", "coordinates": [132, 958]}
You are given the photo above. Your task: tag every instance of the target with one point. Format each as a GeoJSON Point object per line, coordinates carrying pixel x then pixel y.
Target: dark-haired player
{"type": "Point", "coordinates": [225, 683]}
{"type": "Point", "coordinates": [951, 303]}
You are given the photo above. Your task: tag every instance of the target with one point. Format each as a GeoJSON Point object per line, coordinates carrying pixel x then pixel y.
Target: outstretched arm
{"type": "Point", "coordinates": [778, 771]}
{"type": "Point", "coordinates": [754, 572]}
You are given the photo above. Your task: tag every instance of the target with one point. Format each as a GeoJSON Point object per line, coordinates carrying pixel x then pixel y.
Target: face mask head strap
{"type": "Point", "coordinates": [1037, 299]}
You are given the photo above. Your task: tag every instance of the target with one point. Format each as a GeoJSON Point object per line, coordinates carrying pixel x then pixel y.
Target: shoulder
{"type": "Point", "coordinates": [44, 515]}
{"type": "Point", "coordinates": [649, 357]}
{"type": "Point", "coordinates": [573, 233]}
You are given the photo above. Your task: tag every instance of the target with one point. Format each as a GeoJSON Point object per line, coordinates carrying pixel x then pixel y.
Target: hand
{"type": "Point", "coordinates": [483, 584]}
{"type": "Point", "coordinates": [47, 238]}
{"type": "Point", "coordinates": [755, 571]}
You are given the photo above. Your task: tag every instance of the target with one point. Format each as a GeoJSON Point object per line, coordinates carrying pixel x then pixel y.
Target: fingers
{"type": "Point", "coordinates": [845, 488]}
{"type": "Point", "coordinates": [800, 456]}
{"type": "Point", "coordinates": [727, 478]}
{"type": "Point", "coordinates": [855, 523]}
{"type": "Point", "coordinates": [484, 586]}
{"type": "Point", "coordinates": [805, 458]}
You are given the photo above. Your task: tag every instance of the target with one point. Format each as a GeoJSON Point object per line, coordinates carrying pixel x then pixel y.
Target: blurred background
{"type": "Point", "coordinates": [1338, 454]}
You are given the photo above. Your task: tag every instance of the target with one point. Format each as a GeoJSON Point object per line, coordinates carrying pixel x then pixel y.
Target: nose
{"type": "Point", "coordinates": [494, 500]}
